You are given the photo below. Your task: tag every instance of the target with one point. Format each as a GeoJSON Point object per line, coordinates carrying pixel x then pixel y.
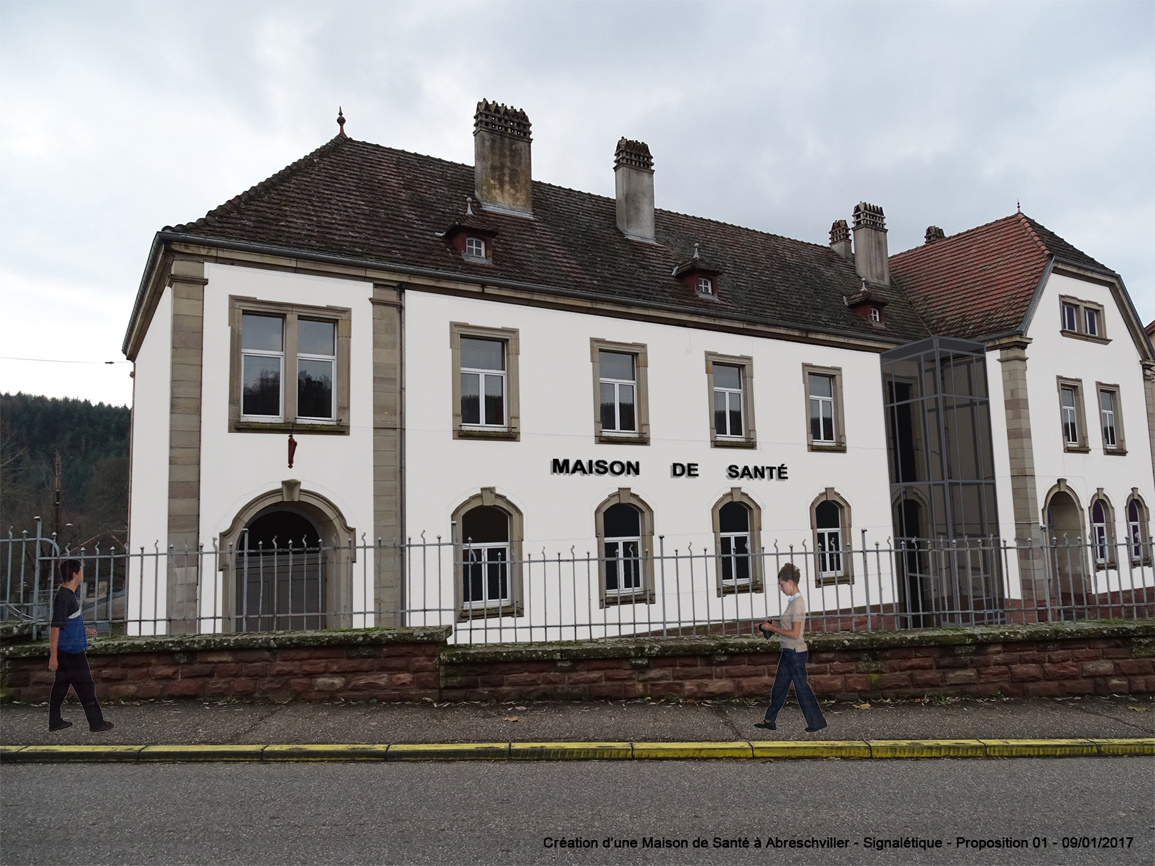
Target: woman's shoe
{"type": "Point", "coordinates": [766, 725]}
{"type": "Point", "coordinates": [813, 730]}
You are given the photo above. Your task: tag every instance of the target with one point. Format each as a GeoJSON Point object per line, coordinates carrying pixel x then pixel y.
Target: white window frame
{"type": "Point", "coordinates": [732, 557]}
{"type": "Point", "coordinates": [1070, 414]}
{"type": "Point", "coordinates": [1111, 419]}
{"type": "Point", "coordinates": [875, 314]}
{"type": "Point", "coordinates": [1091, 321]}
{"type": "Point", "coordinates": [621, 560]}
{"type": "Point", "coordinates": [511, 409]}
{"type": "Point", "coordinates": [264, 353]}
{"type": "Point", "coordinates": [474, 555]}
{"type": "Point", "coordinates": [1138, 540]}
{"type": "Point", "coordinates": [705, 285]}
{"type": "Point", "coordinates": [484, 373]}
{"type": "Point", "coordinates": [1075, 317]}
{"type": "Point", "coordinates": [730, 394]}
{"type": "Point", "coordinates": [617, 385]}
{"type": "Point", "coordinates": [1069, 316]}
{"type": "Point", "coordinates": [332, 359]}
{"type": "Point", "coordinates": [823, 402]}
{"type": "Point", "coordinates": [471, 242]}
{"type": "Point", "coordinates": [831, 561]}
{"type": "Point", "coordinates": [1107, 418]}
{"type": "Point", "coordinates": [824, 574]}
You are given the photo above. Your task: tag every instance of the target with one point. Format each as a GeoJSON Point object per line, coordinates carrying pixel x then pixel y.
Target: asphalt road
{"type": "Point", "coordinates": [477, 813]}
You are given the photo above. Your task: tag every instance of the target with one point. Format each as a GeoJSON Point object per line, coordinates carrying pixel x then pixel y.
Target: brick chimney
{"type": "Point", "coordinates": [501, 163]}
{"type": "Point", "coordinates": [870, 256]}
{"type": "Point", "coordinates": [840, 239]}
{"type": "Point", "coordinates": [934, 233]}
{"type": "Point", "coordinates": [634, 184]}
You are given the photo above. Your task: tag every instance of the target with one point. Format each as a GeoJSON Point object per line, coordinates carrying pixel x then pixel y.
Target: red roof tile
{"type": "Point", "coordinates": [980, 282]}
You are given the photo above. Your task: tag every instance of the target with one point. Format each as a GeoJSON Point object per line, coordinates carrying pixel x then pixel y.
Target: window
{"type": "Point", "coordinates": [1071, 416]}
{"type": "Point", "coordinates": [474, 248]}
{"type": "Point", "coordinates": [737, 522]}
{"type": "Point", "coordinates": [830, 523]}
{"type": "Point", "coordinates": [875, 314]}
{"type": "Point", "coordinates": [825, 430]}
{"type": "Point", "coordinates": [262, 342]}
{"type": "Point", "coordinates": [488, 539]}
{"type": "Point", "coordinates": [1138, 534]}
{"type": "Point", "coordinates": [485, 382]}
{"type": "Point", "coordinates": [625, 530]}
{"type": "Point", "coordinates": [1111, 419]}
{"type": "Point", "coordinates": [274, 344]}
{"type": "Point", "coordinates": [730, 380]}
{"type": "Point", "coordinates": [1102, 526]}
{"type": "Point", "coordinates": [621, 400]}
{"type": "Point", "coordinates": [705, 286]}
{"type": "Point", "coordinates": [1082, 319]}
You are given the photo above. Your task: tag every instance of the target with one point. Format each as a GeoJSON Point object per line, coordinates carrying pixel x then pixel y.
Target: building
{"type": "Point", "coordinates": [515, 372]}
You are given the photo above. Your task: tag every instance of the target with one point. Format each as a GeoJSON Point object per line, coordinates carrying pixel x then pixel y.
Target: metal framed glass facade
{"type": "Point", "coordinates": [942, 481]}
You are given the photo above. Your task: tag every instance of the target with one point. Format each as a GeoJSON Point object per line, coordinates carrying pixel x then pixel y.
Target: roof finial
{"type": "Point", "coordinates": [341, 121]}
{"type": "Point", "coordinates": [695, 251]}
{"type": "Point", "coordinates": [1018, 206]}
{"type": "Point", "coordinates": [469, 205]}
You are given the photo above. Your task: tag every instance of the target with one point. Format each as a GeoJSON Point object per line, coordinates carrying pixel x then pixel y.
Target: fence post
{"type": "Point", "coordinates": [866, 585]}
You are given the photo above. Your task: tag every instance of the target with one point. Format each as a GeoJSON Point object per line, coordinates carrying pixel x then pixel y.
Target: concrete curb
{"type": "Point", "coordinates": [872, 749]}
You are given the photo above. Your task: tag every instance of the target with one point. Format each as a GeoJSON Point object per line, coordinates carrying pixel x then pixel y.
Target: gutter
{"type": "Point", "coordinates": [163, 237]}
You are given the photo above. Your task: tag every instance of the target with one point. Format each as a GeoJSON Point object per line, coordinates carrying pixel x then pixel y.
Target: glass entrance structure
{"type": "Point", "coordinates": [942, 483]}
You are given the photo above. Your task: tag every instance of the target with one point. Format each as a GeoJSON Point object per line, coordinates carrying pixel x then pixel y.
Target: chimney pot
{"type": "Point", "coordinates": [840, 239]}
{"type": "Point", "coordinates": [501, 159]}
{"type": "Point", "coordinates": [634, 185]}
{"type": "Point", "coordinates": [870, 253]}
{"type": "Point", "coordinates": [934, 233]}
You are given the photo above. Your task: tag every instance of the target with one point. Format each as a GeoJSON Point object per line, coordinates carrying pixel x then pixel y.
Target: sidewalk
{"type": "Point", "coordinates": [154, 723]}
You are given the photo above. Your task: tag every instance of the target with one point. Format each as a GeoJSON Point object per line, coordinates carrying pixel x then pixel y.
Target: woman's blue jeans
{"type": "Point", "coordinates": [792, 669]}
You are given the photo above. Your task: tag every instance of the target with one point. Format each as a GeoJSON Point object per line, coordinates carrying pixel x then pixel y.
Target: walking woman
{"type": "Point", "coordinates": [792, 664]}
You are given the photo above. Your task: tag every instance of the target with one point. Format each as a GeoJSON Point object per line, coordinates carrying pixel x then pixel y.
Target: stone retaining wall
{"type": "Point", "coordinates": [414, 664]}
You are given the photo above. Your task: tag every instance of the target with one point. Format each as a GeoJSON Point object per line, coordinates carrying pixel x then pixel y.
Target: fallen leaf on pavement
{"type": "Point", "coordinates": [512, 719]}
{"type": "Point", "coordinates": [862, 706]}
{"type": "Point", "coordinates": [1138, 709]}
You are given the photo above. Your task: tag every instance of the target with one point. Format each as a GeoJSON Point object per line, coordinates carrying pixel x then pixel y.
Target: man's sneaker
{"type": "Point", "coordinates": [60, 726]}
{"type": "Point", "coordinates": [107, 726]}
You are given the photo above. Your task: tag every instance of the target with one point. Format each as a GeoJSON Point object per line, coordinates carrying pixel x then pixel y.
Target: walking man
{"type": "Point", "coordinates": [67, 641]}
{"type": "Point", "coordinates": [792, 664]}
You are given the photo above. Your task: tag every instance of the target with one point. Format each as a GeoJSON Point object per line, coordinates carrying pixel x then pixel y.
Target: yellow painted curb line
{"type": "Point", "coordinates": [570, 751]}
{"type": "Point", "coordinates": [325, 753]}
{"type": "Point", "coordinates": [201, 753]}
{"type": "Point", "coordinates": [741, 749]}
{"type": "Point", "coordinates": [811, 749]}
{"type": "Point", "coordinates": [1145, 746]}
{"type": "Point", "coordinates": [1041, 748]}
{"type": "Point", "coordinates": [448, 752]}
{"type": "Point", "coordinates": [926, 749]}
{"type": "Point", "coordinates": [874, 749]}
{"type": "Point", "coordinates": [69, 754]}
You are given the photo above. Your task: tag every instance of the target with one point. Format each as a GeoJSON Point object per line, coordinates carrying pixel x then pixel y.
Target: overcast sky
{"type": "Point", "coordinates": [119, 118]}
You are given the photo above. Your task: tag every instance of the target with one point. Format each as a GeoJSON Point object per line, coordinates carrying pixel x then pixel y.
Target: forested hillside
{"type": "Point", "coordinates": [93, 446]}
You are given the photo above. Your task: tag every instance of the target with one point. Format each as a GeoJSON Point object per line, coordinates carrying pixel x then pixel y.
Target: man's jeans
{"type": "Point", "coordinates": [792, 669]}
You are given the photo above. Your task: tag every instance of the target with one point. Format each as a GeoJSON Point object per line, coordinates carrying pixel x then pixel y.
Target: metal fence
{"type": "Point", "coordinates": [487, 596]}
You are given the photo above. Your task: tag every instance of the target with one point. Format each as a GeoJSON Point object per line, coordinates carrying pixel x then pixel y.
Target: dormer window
{"type": "Point", "coordinates": [875, 314]}
{"type": "Point", "coordinates": [474, 248]}
{"type": "Point", "coordinates": [699, 276]}
{"type": "Point", "coordinates": [705, 286]}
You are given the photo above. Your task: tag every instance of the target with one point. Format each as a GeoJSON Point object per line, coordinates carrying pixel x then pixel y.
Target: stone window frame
{"type": "Point", "coordinates": [488, 496]}
{"type": "Point", "coordinates": [1081, 307]}
{"type": "Point", "coordinates": [1144, 529]}
{"type": "Point", "coordinates": [1120, 446]}
{"type": "Point", "coordinates": [845, 525]}
{"type": "Point", "coordinates": [1109, 540]}
{"type": "Point", "coordinates": [624, 496]}
{"type": "Point", "coordinates": [289, 313]}
{"type": "Point", "coordinates": [510, 338]}
{"type": "Point", "coordinates": [749, 433]}
{"type": "Point", "coordinates": [641, 386]}
{"type": "Point", "coordinates": [835, 375]}
{"type": "Point", "coordinates": [757, 557]}
{"type": "Point", "coordinates": [1076, 386]}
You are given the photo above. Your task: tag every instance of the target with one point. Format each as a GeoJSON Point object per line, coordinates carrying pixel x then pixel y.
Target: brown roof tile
{"type": "Point", "coordinates": [361, 200]}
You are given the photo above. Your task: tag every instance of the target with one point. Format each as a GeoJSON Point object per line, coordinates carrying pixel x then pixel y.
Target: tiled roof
{"type": "Point", "coordinates": [980, 282]}
{"type": "Point", "coordinates": [355, 199]}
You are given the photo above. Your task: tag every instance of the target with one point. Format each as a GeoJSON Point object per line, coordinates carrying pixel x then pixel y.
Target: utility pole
{"type": "Point", "coordinates": [56, 501]}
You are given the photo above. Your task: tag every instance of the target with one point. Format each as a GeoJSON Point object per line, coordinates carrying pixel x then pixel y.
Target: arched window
{"type": "Point", "coordinates": [1102, 530]}
{"type": "Point", "coordinates": [488, 538]}
{"type": "Point", "coordinates": [625, 531]}
{"type": "Point", "coordinates": [830, 523]}
{"type": "Point", "coordinates": [1138, 531]}
{"type": "Point", "coordinates": [737, 523]}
